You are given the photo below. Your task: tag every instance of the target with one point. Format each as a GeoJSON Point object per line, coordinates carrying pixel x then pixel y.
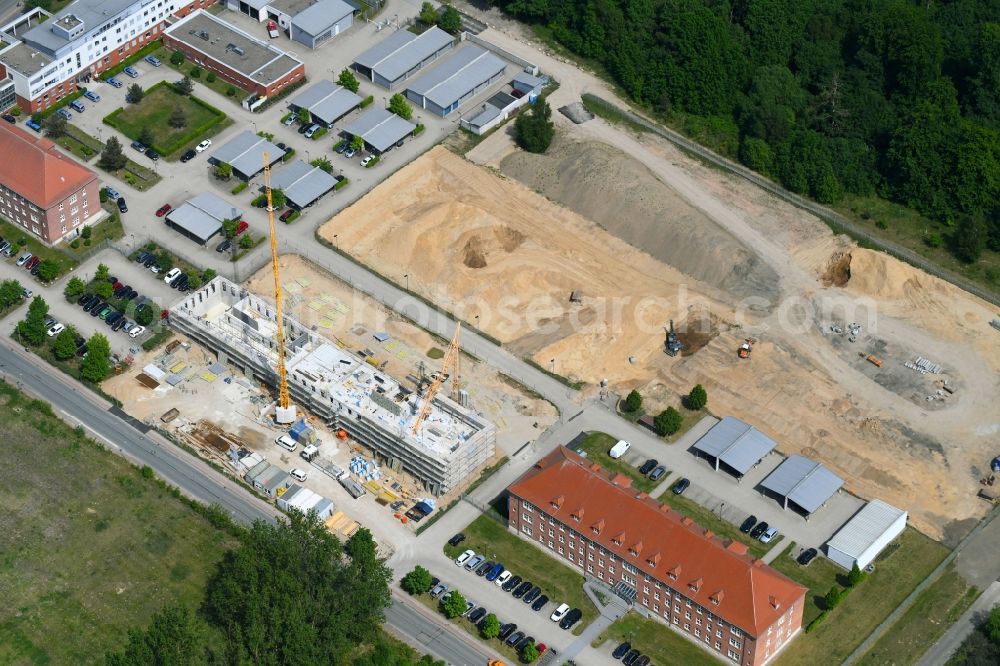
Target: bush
{"type": "Point", "coordinates": [75, 244]}
{"type": "Point", "coordinates": [318, 133]}
{"type": "Point", "coordinates": [231, 91]}
{"type": "Point", "coordinates": [856, 576]}
{"type": "Point", "coordinates": [195, 73]}
{"type": "Point", "coordinates": [294, 216]}
{"type": "Point", "coordinates": [418, 130]}
{"type": "Point", "coordinates": [367, 100]}
{"type": "Point", "coordinates": [633, 402]}
{"type": "Point", "coordinates": [86, 232]}
{"type": "Point", "coordinates": [223, 171]}
{"type": "Point", "coordinates": [696, 399]}
{"type": "Point", "coordinates": [340, 184]}
{"type": "Point", "coordinates": [417, 581]}
{"type": "Point", "coordinates": [933, 240]}
{"type": "Point", "coordinates": [239, 188]}
{"type": "Point", "coordinates": [289, 154]}
{"type": "Point", "coordinates": [668, 421]}
{"type": "Point", "coordinates": [816, 621]}
{"type": "Point", "coordinates": [373, 161]}
{"type": "Point", "coordinates": [147, 472]}
{"type": "Point", "coordinates": [210, 77]}
{"type": "Point", "coordinates": [833, 597]}
{"type": "Point", "coordinates": [177, 58]}
{"type": "Point", "coordinates": [103, 195]}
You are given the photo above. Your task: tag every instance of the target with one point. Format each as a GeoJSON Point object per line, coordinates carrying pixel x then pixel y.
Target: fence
{"type": "Point", "coordinates": [834, 220]}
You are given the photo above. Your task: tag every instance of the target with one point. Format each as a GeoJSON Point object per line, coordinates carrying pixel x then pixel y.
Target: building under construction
{"type": "Point", "coordinates": [340, 387]}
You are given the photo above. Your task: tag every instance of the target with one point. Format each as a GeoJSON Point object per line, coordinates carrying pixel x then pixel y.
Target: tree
{"type": "Point", "coordinates": [533, 129]}
{"type": "Point", "coordinates": [32, 329]}
{"type": "Point", "coordinates": [184, 86]}
{"type": "Point", "coordinates": [145, 137]}
{"type": "Point", "coordinates": [348, 80]}
{"type": "Point", "coordinates": [95, 364]}
{"type": "Point", "coordinates": [223, 171]}
{"type": "Point", "coordinates": [246, 242]}
{"type": "Point", "coordinates": [833, 597]}
{"type": "Point", "coordinates": [104, 289]}
{"type": "Point", "coordinates": [208, 275]}
{"type": "Point", "coordinates": [278, 198]}
{"type": "Point", "coordinates": [491, 627]}
{"type": "Point", "coordinates": [55, 126]}
{"type": "Point", "coordinates": [290, 593]}
{"type": "Point", "coordinates": [144, 315]}
{"type": "Point", "coordinates": [417, 581]}
{"type": "Point", "coordinates": [696, 399]}
{"type": "Point", "coordinates": [64, 346]}
{"type": "Point", "coordinates": [229, 228]}
{"type": "Point", "coordinates": [450, 20]}
{"type": "Point", "coordinates": [74, 288]}
{"type": "Point", "coordinates": [668, 421]}
{"type": "Point", "coordinates": [134, 94]}
{"type": "Point", "coordinates": [992, 626]}
{"type": "Point", "coordinates": [194, 279]}
{"type": "Point", "coordinates": [164, 262]}
{"type": "Point", "coordinates": [177, 58]}
{"type": "Point", "coordinates": [855, 576]}
{"type": "Point", "coordinates": [305, 116]}
{"type": "Point", "coordinates": [103, 272]}
{"type": "Point", "coordinates": [428, 15]}
{"type": "Point", "coordinates": [112, 157]}
{"type": "Point", "coordinates": [10, 293]}
{"type": "Point", "coordinates": [454, 606]}
{"type": "Point", "coordinates": [529, 653]}
{"type": "Point", "coordinates": [172, 639]}
{"type": "Point", "coordinates": [323, 163]}
{"type": "Point", "coordinates": [48, 270]}
{"type": "Point", "coordinates": [357, 143]}
{"type": "Point", "coordinates": [399, 106]}
{"type": "Point", "coordinates": [970, 238]}
{"type": "Point", "coordinates": [633, 401]}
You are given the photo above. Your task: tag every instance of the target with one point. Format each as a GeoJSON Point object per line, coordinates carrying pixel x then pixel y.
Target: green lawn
{"type": "Point", "coordinates": [108, 229]}
{"type": "Point", "coordinates": [709, 519]}
{"type": "Point", "coordinates": [819, 577]}
{"type": "Point", "coordinates": [597, 445]}
{"type": "Point", "coordinates": [83, 146]}
{"type": "Point", "coordinates": [90, 548]}
{"type": "Point", "coordinates": [15, 234]}
{"type": "Point", "coordinates": [896, 573]}
{"type": "Point", "coordinates": [934, 611]}
{"type": "Point", "coordinates": [655, 640]}
{"type": "Point", "coordinates": [557, 580]}
{"type": "Point", "coordinates": [153, 112]}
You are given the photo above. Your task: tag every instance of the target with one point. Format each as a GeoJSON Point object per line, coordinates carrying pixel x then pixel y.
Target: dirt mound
{"type": "Point", "coordinates": [474, 254]}
{"type": "Point", "coordinates": [478, 247]}
{"type": "Point", "coordinates": [697, 331]}
{"type": "Point", "coordinates": [606, 185]}
{"type": "Point", "coordinates": [838, 271]}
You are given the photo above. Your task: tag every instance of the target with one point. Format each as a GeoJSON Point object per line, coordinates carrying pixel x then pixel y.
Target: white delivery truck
{"type": "Point", "coordinates": [619, 449]}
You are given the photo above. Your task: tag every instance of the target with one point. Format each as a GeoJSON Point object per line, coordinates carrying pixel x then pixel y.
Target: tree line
{"type": "Point", "coordinates": [892, 98]}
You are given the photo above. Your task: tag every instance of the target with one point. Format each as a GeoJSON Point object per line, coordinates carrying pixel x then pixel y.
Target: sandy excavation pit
{"type": "Point", "coordinates": [484, 245]}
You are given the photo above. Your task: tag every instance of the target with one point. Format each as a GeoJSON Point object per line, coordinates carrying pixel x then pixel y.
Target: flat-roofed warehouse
{"type": "Point", "coordinates": [200, 217]}
{"type": "Point", "coordinates": [865, 535]}
{"type": "Point", "coordinates": [451, 445]}
{"type": "Point", "coordinates": [443, 88]}
{"type": "Point", "coordinates": [302, 183]}
{"type": "Point", "coordinates": [401, 55]}
{"type": "Point", "coordinates": [326, 101]}
{"type": "Point", "coordinates": [380, 128]}
{"type": "Point", "coordinates": [805, 483]}
{"type": "Point", "coordinates": [237, 57]}
{"type": "Point", "coordinates": [734, 445]}
{"type": "Point", "coordinates": [309, 22]}
{"type": "Point", "coordinates": [245, 153]}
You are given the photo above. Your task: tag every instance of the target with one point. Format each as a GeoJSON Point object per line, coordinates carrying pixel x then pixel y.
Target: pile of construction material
{"type": "Point", "coordinates": [365, 469]}
{"type": "Point", "coordinates": [303, 433]}
{"type": "Point", "coordinates": [924, 366]}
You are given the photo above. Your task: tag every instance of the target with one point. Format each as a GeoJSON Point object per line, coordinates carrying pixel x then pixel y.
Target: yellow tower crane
{"type": "Point", "coordinates": [285, 411]}
{"type": "Point", "coordinates": [451, 361]}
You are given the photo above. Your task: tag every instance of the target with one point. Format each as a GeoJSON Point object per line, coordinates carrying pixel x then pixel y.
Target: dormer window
{"type": "Point", "coordinates": [635, 549]}
{"type": "Point", "coordinates": [716, 598]}
{"type": "Point", "coordinates": [557, 502]}
{"type": "Point", "coordinates": [653, 560]}
{"type": "Point", "coordinates": [597, 527]}
{"type": "Point", "coordinates": [619, 539]}
{"type": "Point", "coordinates": [674, 573]}
{"type": "Point", "coordinates": [696, 584]}
{"type": "Point", "coordinates": [577, 515]}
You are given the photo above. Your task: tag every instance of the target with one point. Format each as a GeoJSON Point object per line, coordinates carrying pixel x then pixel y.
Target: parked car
{"type": "Point", "coordinates": [807, 556]}
{"type": "Point", "coordinates": [9, 118]}
{"type": "Point", "coordinates": [304, 127]}
{"type": "Point", "coordinates": [506, 630]}
{"type": "Point", "coordinates": [502, 578]}
{"type": "Point", "coordinates": [26, 293]}
{"type": "Point", "coordinates": [203, 146]}
{"type": "Point", "coordinates": [474, 562]}
{"type": "Point", "coordinates": [511, 583]}
{"type": "Point", "coordinates": [97, 304]}
{"type": "Point", "coordinates": [224, 245]}
{"type": "Point", "coordinates": [152, 60]}
{"type": "Point", "coordinates": [132, 72]}
{"type": "Point", "coordinates": [23, 259]}
{"type": "Point", "coordinates": [457, 539]}
{"type": "Point", "coordinates": [522, 590]}
{"type": "Point", "coordinates": [523, 642]}
{"type": "Point", "coordinates": [477, 615]}
{"type": "Point", "coordinates": [748, 524]}
{"type": "Point", "coordinates": [188, 155]}
{"type": "Point", "coordinates": [559, 613]}
{"type": "Point", "coordinates": [55, 330]}
{"type": "Point", "coordinates": [33, 125]}
{"type": "Point", "coordinates": [469, 607]}
{"type": "Point", "coordinates": [92, 96]}
{"type": "Point", "coordinates": [768, 535]}
{"type": "Point", "coordinates": [290, 120]}
{"type": "Point", "coordinates": [366, 160]}
{"type": "Point", "coordinates": [648, 466]}
{"type": "Point", "coordinates": [65, 113]}
{"type": "Point", "coordinates": [438, 590]}
{"type": "Point", "coordinates": [465, 557]}
{"type": "Point", "coordinates": [681, 486]}
{"type": "Point", "coordinates": [641, 661]}
{"type": "Point", "coordinates": [621, 650]}
{"type": "Point", "coordinates": [136, 331]}
{"type": "Point", "coordinates": [571, 618]}
{"type": "Point", "coordinates": [532, 594]}
{"type": "Point", "coordinates": [484, 568]}
{"type": "Point", "coordinates": [495, 572]}
{"type": "Point", "coordinates": [297, 474]}
{"type": "Point", "coordinates": [85, 300]}
{"type": "Point", "coordinates": [341, 148]}
{"type": "Point", "coordinates": [163, 210]}
{"type": "Point", "coordinates": [105, 311]}
{"type": "Point", "coordinates": [34, 261]}
{"type": "Point", "coordinates": [514, 638]}
{"type": "Point", "coordinates": [657, 473]}
{"type": "Point", "coordinates": [630, 658]}
{"type": "Point", "coordinates": [152, 154]}
{"type": "Point", "coordinates": [115, 83]}
{"type": "Point", "coordinates": [122, 206]}
{"type": "Point", "coordinates": [172, 275]}
{"type": "Point", "coordinates": [113, 317]}
{"type": "Point", "coordinates": [759, 529]}
{"type": "Point", "coordinates": [241, 227]}
{"type": "Point", "coordinates": [120, 324]}
{"type": "Point", "coordinates": [539, 603]}
{"type": "Point", "coordinates": [312, 129]}
{"type": "Point", "coordinates": [350, 152]}
{"type": "Point", "coordinates": [287, 214]}
{"type": "Point", "coordinates": [111, 192]}
{"type": "Point", "coordinates": [77, 106]}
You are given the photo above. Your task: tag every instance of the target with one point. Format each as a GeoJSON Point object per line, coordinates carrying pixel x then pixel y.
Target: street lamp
{"type": "Point", "coordinates": [407, 276]}
{"type": "Point", "coordinates": [307, 155]}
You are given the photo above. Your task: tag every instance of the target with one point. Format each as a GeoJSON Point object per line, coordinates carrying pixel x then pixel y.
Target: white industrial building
{"type": "Point", "coordinates": [340, 387]}
{"type": "Point", "coordinates": [865, 535]}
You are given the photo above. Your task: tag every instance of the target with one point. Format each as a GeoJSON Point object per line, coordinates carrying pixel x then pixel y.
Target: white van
{"type": "Point", "coordinates": [286, 442]}
{"type": "Point", "coordinates": [619, 449]}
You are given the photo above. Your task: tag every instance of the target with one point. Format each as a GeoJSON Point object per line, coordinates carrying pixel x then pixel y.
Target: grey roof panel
{"type": "Point", "coordinates": [401, 50]}
{"type": "Point", "coordinates": [485, 115]}
{"type": "Point", "coordinates": [860, 532]}
{"type": "Point", "coordinates": [303, 183]}
{"type": "Point", "coordinates": [380, 128]}
{"type": "Point", "coordinates": [245, 153]}
{"type": "Point", "coordinates": [735, 443]}
{"type": "Point", "coordinates": [327, 100]}
{"type": "Point", "coordinates": [527, 79]}
{"type": "Point", "coordinates": [195, 221]}
{"type": "Point", "coordinates": [320, 16]}
{"type": "Point", "coordinates": [449, 81]}
{"type": "Point", "coordinates": [93, 13]}
{"type": "Point", "coordinates": [805, 482]}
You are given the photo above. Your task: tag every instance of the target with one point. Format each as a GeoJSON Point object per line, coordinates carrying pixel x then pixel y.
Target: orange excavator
{"type": "Point", "coordinates": [746, 348]}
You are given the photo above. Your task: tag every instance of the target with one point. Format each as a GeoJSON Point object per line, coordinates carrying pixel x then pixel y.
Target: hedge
{"type": "Point", "coordinates": [318, 133]}
{"type": "Point", "coordinates": [239, 188]}
{"type": "Point", "coordinates": [291, 218]}
{"type": "Point", "coordinates": [418, 129]}
{"type": "Point", "coordinates": [340, 184]}
{"type": "Point", "coordinates": [288, 155]}
{"type": "Point", "coordinates": [146, 50]}
{"type": "Point", "coordinates": [375, 160]}
{"type": "Point", "coordinates": [367, 100]}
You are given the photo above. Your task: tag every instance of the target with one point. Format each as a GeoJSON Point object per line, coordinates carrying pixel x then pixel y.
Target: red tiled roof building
{"type": "Point", "coordinates": [709, 589]}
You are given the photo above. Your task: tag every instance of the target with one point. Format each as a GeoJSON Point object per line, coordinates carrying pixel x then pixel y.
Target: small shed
{"type": "Point", "coordinates": [271, 480]}
{"type": "Point", "coordinates": [866, 534]}
{"type": "Point", "coordinates": [804, 483]}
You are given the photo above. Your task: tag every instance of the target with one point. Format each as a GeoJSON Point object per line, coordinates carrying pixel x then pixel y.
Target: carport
{"type": "Point", "coordinates": [302, 183]}
{"type": "Point", "coordinates": [804, 483]}
{"type": "Point", "coordinates": [401, 55]}
{"type": "Point", "coordinates": [381, 129]}
{"type": "Point", "coordinates": [735, 445]}
{"type": "Point", "coordinates": [200, 217]}
{"type": "Point", "coordinates": [327, 102]}
{"type": "Point", "coordinates": [245, 153]}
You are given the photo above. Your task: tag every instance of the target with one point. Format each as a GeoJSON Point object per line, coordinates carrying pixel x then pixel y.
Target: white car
{"type": "Point", "coordinates": [171, 275]}
{"type": "Point", "coordinates": [559, 613]}
{"type": "Point", "coordinates": [56, 329]}
{"type": "Point", "coordinates": [203, 146]}
{"type": "Point", "coordinates": [769, 535]}
{"type": "Point", "coordinates": [286, 443]}
{"type": "Point", "coordinates": [366, 159]}
{"type": "Point", "coordinates": [464, 557]}
{"type": "Point", "coordinates": [503, 578]}
{"type": "Point", "coordinates": [298, 474]}
{"type": "Point", "coordinates": [136, 331]}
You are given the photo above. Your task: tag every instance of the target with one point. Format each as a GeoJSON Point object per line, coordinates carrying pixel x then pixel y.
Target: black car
{"type": "Point", "coordinates": [304, 127]}
{"type": "Point", "coordinates": [84, 300]}
{"type": "Point", "coordinates": [748, 524]}
{"type": "Point", "coordinates": [506, 631]}
{"type": "Point", "coordinates": [152, 154]}
{"type": "Point", "coordinates": [282, 146]}
{"type": "Point", "coordinates": [681, 486]}
{"type": "Point", "coordinates": [648, 466]}
{"type": "Point", "coordinates": [141, 257]}
{"type": "Point", "coordinates": [539, 603]}
{"type": "Point", "coordinates": [188, 155]}
{"type": "Point", "coordinates": [522, 590]}
{"type": "Point", "coordinates": [120, 324]}
{"type": "Point", "coordinates": [121, 291]}
{"type": "Point", "coordinates": [524, 641]}
{"type": "Point", "coordinates": [483, 568]}
{"type": "Point", "coordinates": [760, 529]}
{"type": "Point", "coordinates": [512, 583]}
{"type": "Point", "coordinates": [150, 260]}
{"type": "Point", "coordinates": [132, 293]}
{"type": "Point", "coordinates": [176, 280]}
{"type": "Point", "coordinates": [112, 318]}
{"type": "Point", "coordinates": [631, 657]}
{"type": "Point", "coordinates": [9, 118]}
{"type": "Point", "coordinates": [478, 614]}
{"type": "Point", "coordinates": [225, 245]}
{"type": "Point", "coordinates": [434, 581]}
{"type": "Point", "coordinates": [571, 618]}
{"type": "Point", "coordinates": [515, 638]}
{"type": "Point", "coordinates": [122, 206]}
{"type": "Point", "coordinates": [342, 148]}
{"type": "Point", "coordinates": [807, 556]}
{"type": "Point", "coordinates": [34, 269]}
{"type": "Point", "coordinates": [532, 594]}
{"type": "Point", "coordinates": [641, 661]}
{"type": "Point", "coordinates": [97, 306]}
{"type": "Point", "coordinates": [182, 283]}
{"type": "Point", "coordinates": [621, 650]}
{"type": "Point", "coordinates": [81, 349]}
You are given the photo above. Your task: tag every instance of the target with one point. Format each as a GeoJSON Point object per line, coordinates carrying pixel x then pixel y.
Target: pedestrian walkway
{"type": "Point", "coordinates": [941, 651]}
{"type": "Point", "coordinates": [612, 608]}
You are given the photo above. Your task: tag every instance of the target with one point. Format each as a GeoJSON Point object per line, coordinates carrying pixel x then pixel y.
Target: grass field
{"type": "Point", "coordinates": [819, 577]}
{"type": "Point", "coordinates": [88, 546]}
{"type": "Point", "coordinates": [722, 528]}
{"type": "Point", "coordinates": [82, 145]}
{"type": "Point", "coordinates": [655, 640]}
{"type": "Point", "coordinates": [558, 581]}
{"type": "Point", "coordinates": [936, 609]}
{"type": "Point", "coordinates": [597, 445]}
{"type": "Point", "coordinates": [896, 573]}
{"type": "Point", "coordinates": [15, 234]}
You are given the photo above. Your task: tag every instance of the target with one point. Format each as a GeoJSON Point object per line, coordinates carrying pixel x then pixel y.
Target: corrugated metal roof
{"type": "Point", "coordinates": [402, 50]}
{"type": "Point", "coordinates": [245, 153]}
{"type": "Point", "coordinates": [860, 532]}
{"type": "Point", "coordinates": [452, 79]}
{"type": "Point", "coordinates": [327, 101]}
{"type": "Point", "coordinates": [380, 128]}
{"type": "Point", "coordinates": [317, 18]}
{"type": "Point", "coordinates": [805, 482]}
{"type": "Point", "coordinates": [736, 443]}
{"type": "Point", "coordinates": [303, 183]}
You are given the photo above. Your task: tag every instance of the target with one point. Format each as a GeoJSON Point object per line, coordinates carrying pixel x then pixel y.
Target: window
{"type": "Point", "coordinates": [656, 595]}
{"type": "Point", "coordinates": [552, 532]}
{"type": "Point", "coordinates": [562, 539]}
{"type": "Point", "coordinates": [526, 530]}
{"type": "Point", "coordinates": [677, 620]}
{"type": "Point", "coordinates": [526, 518]}
{"type": "Point", "coordinates": [697, 621]}
{"type": "Point", "coordinates": [718, 633]}
{"type": "Point", "coordinates": [600, 574]}
{"type": "Point", "coordinates": [525, 505]}
{"type": "Point", "coordinates": [600, 562]}
{"type": "Point", "coordinates": [697, 632]}
{"type": "Point", "coordinates": [645, 589]}
{"type": "Point", "coordinates": [590, 569]}
{"type": "Point", "coordinates": [611, 570]}
{"type": "Point", "coordinates": [736, 643]}
{"type": "Point", "coordinates": [718, 646]}
{"type": "Point", "coordinates": [628, 567]}
{"type": "Point", "coordinates": [687, 615]}
{"type": "Point", "coordinates": [561, 552]}
{"type": "Point", "coordinates": [687, 627]}
{"type": "Point", "coordinates": [590, 556]}
{"type": "Point", "coordinates": [735, 656]}
{"type": "Point", "coordinates": [72, 200]}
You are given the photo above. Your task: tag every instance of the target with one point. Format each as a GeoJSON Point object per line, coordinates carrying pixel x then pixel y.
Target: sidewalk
{"type": "Point", "coordinates": [941, 651]}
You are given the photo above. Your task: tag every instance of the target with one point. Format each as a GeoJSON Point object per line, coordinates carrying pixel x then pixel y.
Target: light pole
{"type": "Point", "coordinates": [132, 236]}
{"type": "Point", "coordinates": [407, 277]}
{"type": "Point", "coordinates": [254, 123]}
{"type": "Point", "coordinates": [307, 155]}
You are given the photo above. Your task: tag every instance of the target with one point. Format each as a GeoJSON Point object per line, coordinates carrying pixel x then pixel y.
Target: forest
{"type": "Point", "coordinates": [885, 98]}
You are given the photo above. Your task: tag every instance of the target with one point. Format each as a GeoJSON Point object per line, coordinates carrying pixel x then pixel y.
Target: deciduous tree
{"type": "Point", "coordinates": [173, 638]}
{"type": "Point", "coordinates": [417, 581]}
{"type": "Point", "coordinates": [491, 627]}
{"type": "Point", "coordinates": [450, 20]}
{"type": "Point", "coordinates": [533, 129]}
{"type": "Point", "coordinates": [697, 398]}
{"type": "Point", "coordinates": [64, 346]}
{"type": "Point", "coordinates": [454, 606]}
{"type": "Point", "coordinates": [348, 80]}
{"type": "Point", "coordinates": [54, 125]}
{"type": "Point", "coordinates": [633, 401]}
{"type": "Point", "coordinates": [96, 364]}
{"type": "Point", "coordinates": [399, 106]}
{"type": "Point", "coordinates": [668, 421]}
{"type": "Point", "coordinates": [10, 293]}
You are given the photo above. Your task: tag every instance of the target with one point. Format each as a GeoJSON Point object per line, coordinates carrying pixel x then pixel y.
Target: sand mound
{"type": "Point", "coordinates": [838, 271]}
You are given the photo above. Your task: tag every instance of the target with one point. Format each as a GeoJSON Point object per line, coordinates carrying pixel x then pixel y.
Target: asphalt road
{"type": "Point", "coordinates": [79, 406]}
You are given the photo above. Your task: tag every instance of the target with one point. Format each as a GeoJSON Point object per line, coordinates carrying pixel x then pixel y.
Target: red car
{"type": "Point", "coordinates": [287, 214]}
{"type": "Point", "coordinates": [163, 210]}
{"type": "Point", "coordinates": [241, 227]}
{"type": "Point", "coordinates": [542, 647]}
{"type": "Point", "coordinates": [34, 261]}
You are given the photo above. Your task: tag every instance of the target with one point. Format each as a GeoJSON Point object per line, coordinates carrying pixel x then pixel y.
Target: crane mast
{"type": "Point", "coordinates": [285, 411]}
{"type": "Point", "coordinates": [452, 360]}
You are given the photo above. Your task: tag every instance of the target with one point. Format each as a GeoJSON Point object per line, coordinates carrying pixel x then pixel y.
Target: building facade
{"type": "Point", "coordinates": [43, 191]}
{"type": "Point", "coordinates": [708, 589]}
{"type": "Point", "coordinates": [48, 60]}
